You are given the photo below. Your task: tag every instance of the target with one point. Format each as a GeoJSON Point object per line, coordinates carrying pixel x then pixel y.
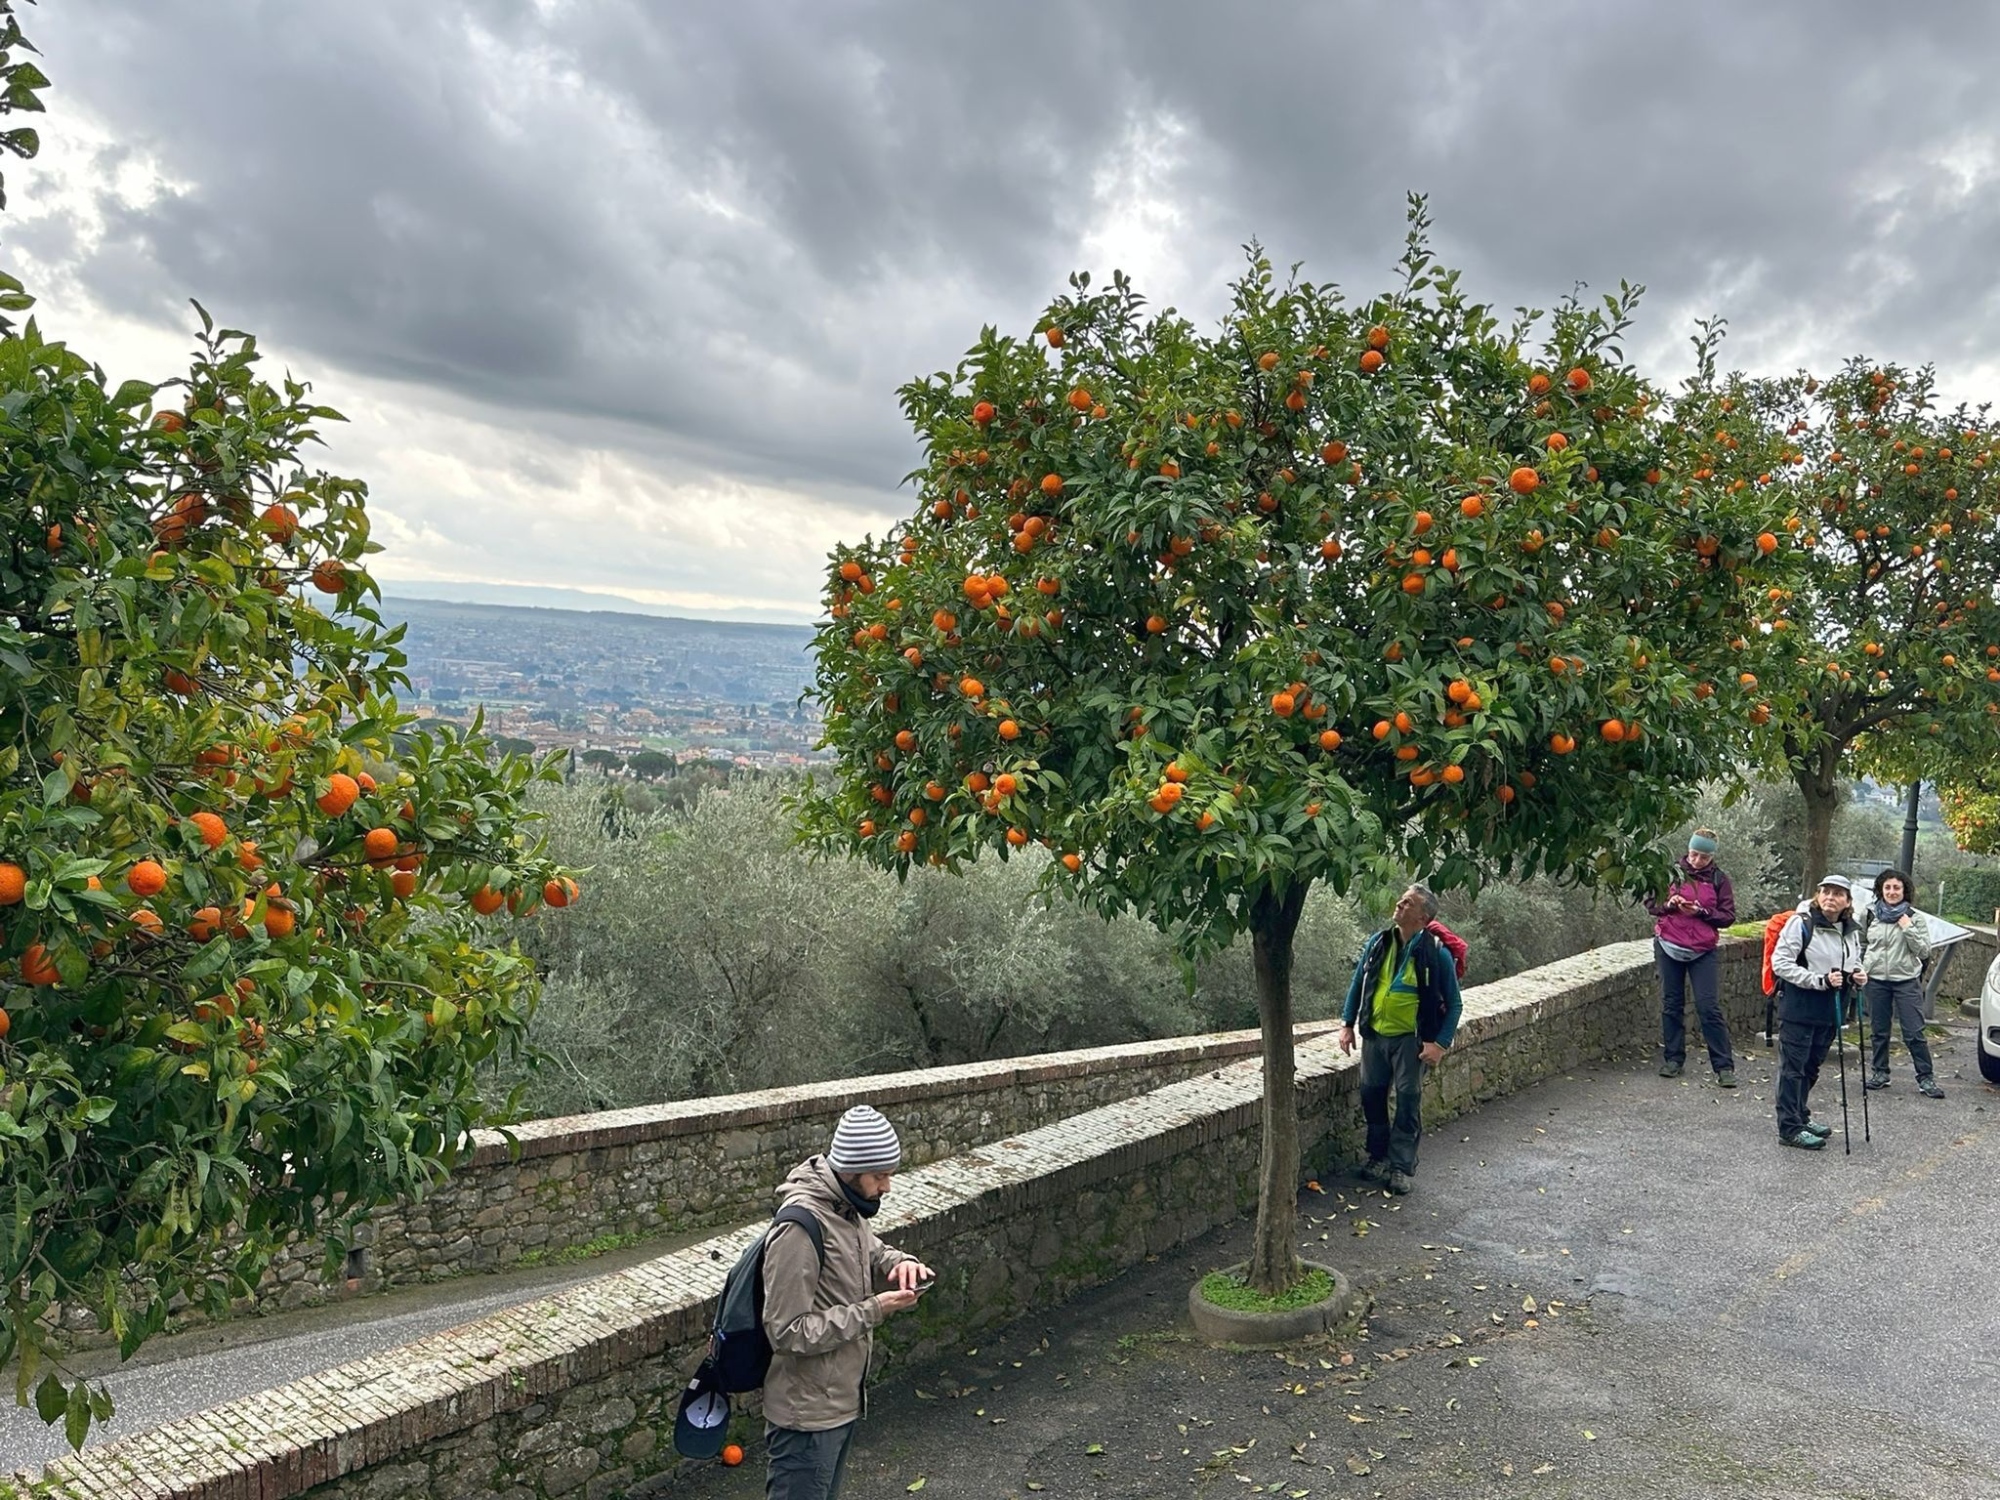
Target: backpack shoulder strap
{"type": "Point", "coordinates": [806, 1219]}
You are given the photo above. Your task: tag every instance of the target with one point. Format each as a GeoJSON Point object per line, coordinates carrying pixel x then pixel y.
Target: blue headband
{"type": "Point", "coordinates": [1701, 843]}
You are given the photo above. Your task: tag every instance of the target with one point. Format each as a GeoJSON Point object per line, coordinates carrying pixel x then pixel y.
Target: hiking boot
{"type": "Point", "coordinates": [1400, 1183]}
{"type": "Point", "coordinates": [1670, 1070]}
{"type": "Point", "coordinates": [1376, 1171]}
{"type": "Point", "coordinates": [1817, 1127]}
{"type": "Point", "coordinates": [1928, 1087]}
{"type": "Point", "coordinates": [1726, 1079]}
{"type": "Point", "coordinates": [1879, 1080]}
{"type": "Point", "coordinates": [1805, 1140]}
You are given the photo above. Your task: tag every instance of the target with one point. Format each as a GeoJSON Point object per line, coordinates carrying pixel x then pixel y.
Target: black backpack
{"type": "Point", "coordinates": [739, 1351]}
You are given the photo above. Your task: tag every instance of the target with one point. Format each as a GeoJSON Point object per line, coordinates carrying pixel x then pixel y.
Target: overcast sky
{"type": "Point", "coordinates": [618, 295]}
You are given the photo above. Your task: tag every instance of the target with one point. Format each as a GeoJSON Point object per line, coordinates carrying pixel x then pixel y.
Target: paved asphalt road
{"type": "Point", "coordinates": [193, 1371]}
{"type": "Point", "coordinates": [1609, 1286]}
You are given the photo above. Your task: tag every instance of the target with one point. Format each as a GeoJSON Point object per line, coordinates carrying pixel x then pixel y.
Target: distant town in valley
{"type": "Point", "coordinates": [621, 684]}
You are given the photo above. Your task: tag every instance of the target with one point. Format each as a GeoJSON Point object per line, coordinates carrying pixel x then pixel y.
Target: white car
{"type": "Point", "coordinates": [1989, 1023]}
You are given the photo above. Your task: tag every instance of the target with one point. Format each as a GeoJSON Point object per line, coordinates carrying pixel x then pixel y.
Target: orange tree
{"type": "Point", "coordinates": [1972, 813]}
{"type": "Point", "coordinates": [243, 989]}
{"type": "Point", "coordinates": [1877, 640]}
{"type": "Point", "coordinates": [1332, 593]}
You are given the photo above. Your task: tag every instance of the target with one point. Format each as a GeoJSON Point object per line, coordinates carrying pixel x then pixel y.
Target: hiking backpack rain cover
{"type": "Point", "coordinates": [739, 1351]}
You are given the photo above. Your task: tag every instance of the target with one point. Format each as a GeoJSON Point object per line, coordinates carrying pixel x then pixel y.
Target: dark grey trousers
{"type": "Point", "coordinates": [1904, 1000]}
{"type": "Point", "coordinates": [1390, 1069]}
{"type": "Point", "coordinates": [806, 1465]}
{"type": "Point", "coordinates": [1802, 1047]}
{"type": "Point", "coordinates": [1676, 979]}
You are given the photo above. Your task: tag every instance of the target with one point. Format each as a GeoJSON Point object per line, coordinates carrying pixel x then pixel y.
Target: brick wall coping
{"type": "Point", "coordinates": [281, 1442]}
{"type": "Point", "coordinates": [564, 1134]}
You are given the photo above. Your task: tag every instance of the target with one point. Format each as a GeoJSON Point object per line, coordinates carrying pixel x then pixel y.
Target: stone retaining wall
{"type": "Point", "coordinates": [671, 1169]}
{"type": "Point", "coordinates": [1967, 969]}
{"type": "Point", "coordinates": [573, 1396]}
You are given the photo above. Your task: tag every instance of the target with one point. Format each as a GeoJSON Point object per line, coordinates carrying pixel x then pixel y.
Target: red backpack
{"type": "Point", "coordinates": [1774, 925]}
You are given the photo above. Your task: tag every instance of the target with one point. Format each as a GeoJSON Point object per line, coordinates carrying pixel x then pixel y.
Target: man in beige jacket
{"type": "Point", "coordinates": [821, 1317]}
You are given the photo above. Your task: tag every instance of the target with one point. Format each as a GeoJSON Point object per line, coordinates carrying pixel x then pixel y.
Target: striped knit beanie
{"type": "Point", "coordinates": [863, 1141]}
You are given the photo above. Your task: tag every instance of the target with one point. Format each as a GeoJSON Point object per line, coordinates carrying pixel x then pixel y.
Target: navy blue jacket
{"type": "Point", "coordinates": [1438, 1001]}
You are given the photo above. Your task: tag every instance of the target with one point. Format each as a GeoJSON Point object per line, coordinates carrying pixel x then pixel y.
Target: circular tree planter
{"type": "Point", "coordinates": [1338, 1311]}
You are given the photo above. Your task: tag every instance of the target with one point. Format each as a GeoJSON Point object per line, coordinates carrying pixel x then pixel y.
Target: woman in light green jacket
{"type": "Point", "coordinates": [1895, 941]}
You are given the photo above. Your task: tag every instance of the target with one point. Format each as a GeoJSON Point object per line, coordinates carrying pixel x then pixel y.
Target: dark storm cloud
{"type": "Point", "coordinates": [743, 224]}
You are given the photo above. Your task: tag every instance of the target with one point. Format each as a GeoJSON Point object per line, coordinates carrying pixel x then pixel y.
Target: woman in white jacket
{"type": "Point", "coordinates": [1816, 959]}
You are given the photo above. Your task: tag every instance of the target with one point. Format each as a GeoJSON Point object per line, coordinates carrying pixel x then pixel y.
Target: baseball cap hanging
{"type": "Point", "coordinates": [703, 1419]}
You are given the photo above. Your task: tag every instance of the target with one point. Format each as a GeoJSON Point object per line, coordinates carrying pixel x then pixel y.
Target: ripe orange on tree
{"type": "Point", "coordinates": [342, 791]}
{"type": "Point", "coordinates": [282, 522]}
{"type": "Point", "coordinates": [37, 968]}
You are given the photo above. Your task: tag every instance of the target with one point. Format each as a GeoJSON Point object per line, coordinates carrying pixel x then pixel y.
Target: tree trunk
{"type": "Point", "coordinates": [1274, 1262]}
{"type": "Point", "coordinates": [1822, 796]}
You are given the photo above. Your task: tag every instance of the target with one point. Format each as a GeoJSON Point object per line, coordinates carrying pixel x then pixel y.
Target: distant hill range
{"type": "Point", "coordinates": [577, 659]}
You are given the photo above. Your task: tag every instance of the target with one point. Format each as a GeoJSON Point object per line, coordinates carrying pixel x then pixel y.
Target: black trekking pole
{"type": "Point", "coordinates": [1840, 1045]}
{"type": "Point", "coordinates": [1861, 1048]}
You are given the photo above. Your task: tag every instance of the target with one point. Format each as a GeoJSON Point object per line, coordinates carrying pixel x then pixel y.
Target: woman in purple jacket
{"type": "Point", "coordinates": [1699, 902]}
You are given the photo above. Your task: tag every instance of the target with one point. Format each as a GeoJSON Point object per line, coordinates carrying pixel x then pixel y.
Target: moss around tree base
{"type": "Point", "coordinates": [1236, 1294]}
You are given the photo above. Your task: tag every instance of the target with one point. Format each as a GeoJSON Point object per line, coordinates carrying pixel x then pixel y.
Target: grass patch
{"type": "Point", "coordinates": [1232, 1292]}
{"type": "Point", "coordinates": [604, 1244]}
{"type": "Point", "coordinates": [1746, 929]}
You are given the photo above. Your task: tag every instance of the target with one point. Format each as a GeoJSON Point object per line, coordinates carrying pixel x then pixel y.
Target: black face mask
{"type": "Point", "coordinates": [866, 1207]}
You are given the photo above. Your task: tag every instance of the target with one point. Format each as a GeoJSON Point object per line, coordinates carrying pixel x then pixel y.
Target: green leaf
{"type": "Point", "coordinates": [76, 1420]}
{"type": "Point", "coordinates": [51, 1397]}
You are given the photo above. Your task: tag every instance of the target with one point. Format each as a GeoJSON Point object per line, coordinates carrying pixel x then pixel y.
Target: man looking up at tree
{"type": "Point", "coordinates": [1404, 1000]}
